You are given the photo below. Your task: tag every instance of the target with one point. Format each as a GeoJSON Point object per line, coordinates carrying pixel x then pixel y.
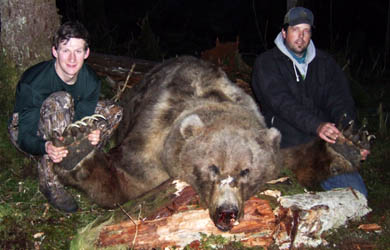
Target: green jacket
{"type": "Point", "coordinates": [35, 85]}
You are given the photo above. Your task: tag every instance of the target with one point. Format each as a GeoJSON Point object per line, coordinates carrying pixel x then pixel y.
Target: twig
{"type": "Point", "coordinates": [136, 225]}
{"type": "Point", "coordinates": [47, 206]}
{"type": "Point", "coordinates": [346, 65]}
{"type": "Point", "coordinates": [121, 90]}
{"type": "Point", "coordinates": [375, 63]}
{"type": "Point", "coordinates": [258, 26]}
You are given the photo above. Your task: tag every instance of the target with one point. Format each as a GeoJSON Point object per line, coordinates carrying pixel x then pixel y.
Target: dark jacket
{"type": "Point", "coordinates": [35, 85]}
{"type": "Point", "coordinates": [298, 108]}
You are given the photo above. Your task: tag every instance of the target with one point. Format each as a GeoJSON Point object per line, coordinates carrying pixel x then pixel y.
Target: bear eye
{"type": "Point", "coordinates": [244, 172]}
{"type": "Point", "coordinates": [214, 169]}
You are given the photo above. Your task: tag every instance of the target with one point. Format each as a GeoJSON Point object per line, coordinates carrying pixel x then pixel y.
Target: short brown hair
{"type": "Point", "coordinates": [68, 30]}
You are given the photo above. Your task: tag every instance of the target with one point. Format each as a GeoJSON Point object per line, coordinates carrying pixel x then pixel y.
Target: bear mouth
{"type": "Point", "coordinates": [225, 219]}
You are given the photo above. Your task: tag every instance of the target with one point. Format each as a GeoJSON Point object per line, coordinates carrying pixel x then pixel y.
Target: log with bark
{"type": "Point", "coordinates": [303, 218]}
{"type": "Point", "coordinates": [176, 219]}
{"type": "Point", "coordinates": [116, 69]}
{"type": "Point", "coordinates": [183, 222]}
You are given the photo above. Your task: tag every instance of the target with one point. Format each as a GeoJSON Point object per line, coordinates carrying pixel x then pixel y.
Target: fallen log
{"type": "Point", "coordinates": [303, 218]}
{"type": "Point", "coordinates": [118, 66]}
{"type": "Point", "coordinates": [187, 224]}
{"type": "Point", "coordinates": [176, 223]}
{"type": "Point", "coordinates": [177, 220]}
{"type": "Point", "coordinates": [114, 69]}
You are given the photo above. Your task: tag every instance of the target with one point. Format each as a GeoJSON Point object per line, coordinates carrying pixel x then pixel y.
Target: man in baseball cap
{"type": "Point", "coordinates": [299, 15]}
{"type": "Point", "coordinates": [303, 92]}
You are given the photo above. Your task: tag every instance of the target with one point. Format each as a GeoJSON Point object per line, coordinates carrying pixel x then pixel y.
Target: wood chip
{"type": "Point", "coordinates": [370, 227]}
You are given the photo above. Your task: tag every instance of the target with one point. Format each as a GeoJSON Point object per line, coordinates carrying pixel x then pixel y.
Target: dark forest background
{"type": "Point", "coordinates": [356, 33]}
{"type": "Point", "coordinates": [176, 27]}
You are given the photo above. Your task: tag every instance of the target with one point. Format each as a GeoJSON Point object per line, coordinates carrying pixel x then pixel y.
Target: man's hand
{"type": "Point", "coordinates": [56, 154]}
{"type": "Point", "coordinates": [328, 132]}
{"type": "Point", "coordinates": [364, 153]}
{"type": "Point", "coordinates": [94, 137]}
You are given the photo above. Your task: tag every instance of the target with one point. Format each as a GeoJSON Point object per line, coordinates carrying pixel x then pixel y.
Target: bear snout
{"type": "Point", "coordinates": [225, 217]}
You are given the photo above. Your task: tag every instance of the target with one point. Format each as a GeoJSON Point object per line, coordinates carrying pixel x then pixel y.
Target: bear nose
{"type": "Point", "coordinates": [226, 216]}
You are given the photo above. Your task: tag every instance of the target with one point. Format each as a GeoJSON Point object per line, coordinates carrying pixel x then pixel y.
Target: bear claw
{"type": "Point", "coordinates": [75, 139]}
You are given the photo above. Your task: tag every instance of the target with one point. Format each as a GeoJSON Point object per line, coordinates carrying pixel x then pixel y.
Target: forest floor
{"type": "Point", "coordinates": [27, 221]}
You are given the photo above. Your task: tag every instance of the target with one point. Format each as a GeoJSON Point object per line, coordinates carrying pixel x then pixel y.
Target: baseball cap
{"type": "Point", "coordinates": [298, 15]}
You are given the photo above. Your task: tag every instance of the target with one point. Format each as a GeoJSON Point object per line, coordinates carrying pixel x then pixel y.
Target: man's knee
{"type": "Point", "coordinates": [353, 180]}
{"type": "Point", "coordinates": [111, 111]}
{"type": "Point", "coordinates": [113, 114]}
{"type": "Point", "coordinates": [56, 113]}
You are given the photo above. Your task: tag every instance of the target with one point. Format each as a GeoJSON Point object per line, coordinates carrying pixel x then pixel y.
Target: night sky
{"type": "Point", "coordinates": [189, 27]}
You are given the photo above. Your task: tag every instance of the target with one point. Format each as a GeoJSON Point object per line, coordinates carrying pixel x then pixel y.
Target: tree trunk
{"type": "Point", "coordinates": [294, 3]}
{"type": "Point", "coordinates": [387, 44]}
{"type": "Point", "coordinates": [26, 30]}
{"type": "Point", "coordinates": [291, 4]}
{"type": "Point", "coordinates": [332, 42]}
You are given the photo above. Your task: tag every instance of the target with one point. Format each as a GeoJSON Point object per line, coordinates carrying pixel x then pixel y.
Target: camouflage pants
{"type": "Point", "coordinates": [57, 113]}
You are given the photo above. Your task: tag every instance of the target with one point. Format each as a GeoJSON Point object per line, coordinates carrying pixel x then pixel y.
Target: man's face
{"type": "Point", "coordinates": [70, 56]}
{"type": "Point", "coordinates": [297, 38]}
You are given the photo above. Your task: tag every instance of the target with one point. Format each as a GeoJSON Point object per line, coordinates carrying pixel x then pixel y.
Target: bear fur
{"type": "Point", "coordinates": [185, 120]}
{"type": "Point", "coordinates": [318, 160]}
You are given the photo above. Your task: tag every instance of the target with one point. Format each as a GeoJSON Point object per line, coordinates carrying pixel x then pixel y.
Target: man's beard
{"type": "Point", "coordinates": [298, 50]}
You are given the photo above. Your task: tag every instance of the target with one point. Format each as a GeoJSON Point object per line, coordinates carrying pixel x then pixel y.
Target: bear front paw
{"type": "Point", "coordinates": [75, 139]}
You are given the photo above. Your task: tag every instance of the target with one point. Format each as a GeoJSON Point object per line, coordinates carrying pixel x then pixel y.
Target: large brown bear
{"type": "Point", "coordinates": [186, 120]}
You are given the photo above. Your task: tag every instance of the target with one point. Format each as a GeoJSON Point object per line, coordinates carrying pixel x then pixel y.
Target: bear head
{"type": "Point", "coordinates": [225, 158]}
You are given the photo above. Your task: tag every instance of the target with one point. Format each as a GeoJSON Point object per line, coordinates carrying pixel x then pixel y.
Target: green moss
{"type": "Point", "coordinates": [9, 76]}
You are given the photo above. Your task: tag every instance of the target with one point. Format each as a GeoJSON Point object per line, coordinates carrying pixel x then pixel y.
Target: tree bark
{"type": "Point", "coordinates": [387, 43]}
{"type": "Point", "coordinates": [26, 30]}
{"type": "Point", "coordinates": [291, 4]}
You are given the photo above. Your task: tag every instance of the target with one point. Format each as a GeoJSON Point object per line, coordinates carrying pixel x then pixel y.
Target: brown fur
{"type": "Point", "coordinates": [185, 120]}
{"type": "Point", "coordinates": [317, 160]}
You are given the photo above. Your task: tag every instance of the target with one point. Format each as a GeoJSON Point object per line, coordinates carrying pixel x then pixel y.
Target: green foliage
{"type": "Point", "coordinates": [208, 242]}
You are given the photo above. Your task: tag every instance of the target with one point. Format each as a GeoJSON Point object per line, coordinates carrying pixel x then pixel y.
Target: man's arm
{"type": "Point", "coordinates": [89, 93]}
{"type": "Point", "coordinates": [29, 115]}
{"type": "Point", "coordinates": [273, 90]}
{"type": "Point", "coordinates": [339, 98]}
{"type": "Point", "coordinates": [339, 102]}
{"type": "Point", "coordinates": [87, 105]}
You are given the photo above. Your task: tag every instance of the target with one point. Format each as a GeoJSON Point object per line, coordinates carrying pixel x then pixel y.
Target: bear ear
{"type": "Point", "coordinates": [273, 136]}
{"type": "Point", "coordinates": [190, 126]}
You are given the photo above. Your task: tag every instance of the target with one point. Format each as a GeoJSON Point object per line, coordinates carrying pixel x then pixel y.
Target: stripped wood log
{"type": "Point", "coordinates": [183, 222]}
{"type": "Point", "coordinates": [299, 221]}
{"type": "Point", "coordinates": [303, 218]}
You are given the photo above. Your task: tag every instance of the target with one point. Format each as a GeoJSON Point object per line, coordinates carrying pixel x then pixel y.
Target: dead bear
{"type": "Point", "coordinates": [318, 160]}
{"type": "Point", "coordinates": [185, 120]}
